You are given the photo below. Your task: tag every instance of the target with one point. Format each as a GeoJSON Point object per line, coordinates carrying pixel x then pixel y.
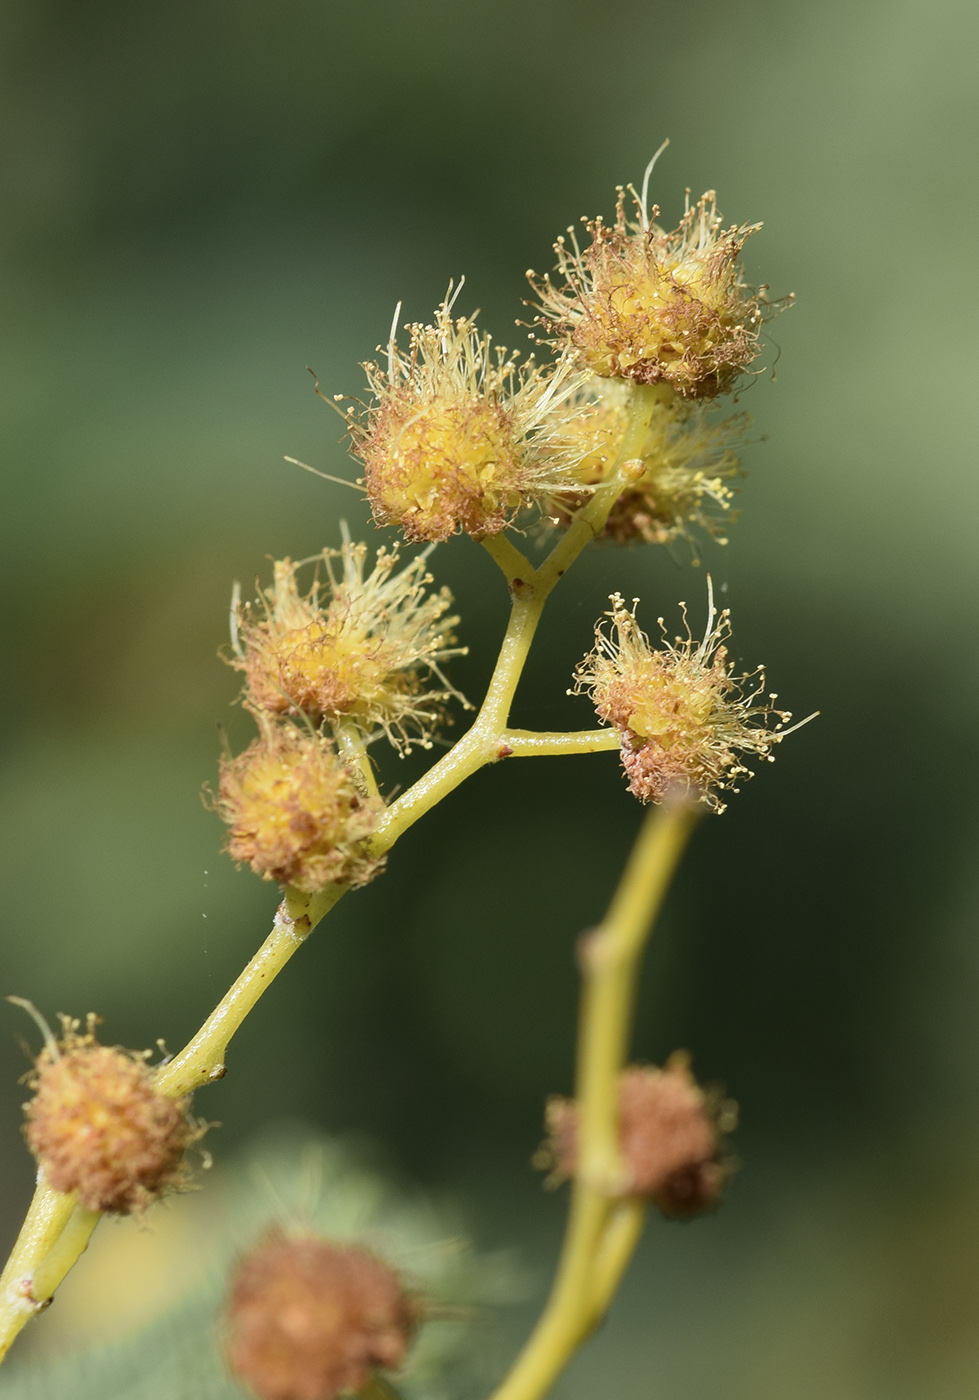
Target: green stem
{"type": "Point", "coordinates": [202, 1059]}
{"type": "Point", "coordinates": [616, 1247]}
{"type": "Point", "coordinates": [47, 1217]}
{"type": "Point", "coordinates": [529, 743]}
{"type": "Point", "coordinates": [516, 567]}
{"type": "Point", "coordinates": [603, 1227]}
{"type": "Point", "coordinates": [350, 741]}
{"type": "Point", "coordinates": [71, 1245]}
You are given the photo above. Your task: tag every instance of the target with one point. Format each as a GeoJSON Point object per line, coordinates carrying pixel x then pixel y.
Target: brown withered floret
{"type": "Point", "coordinates": [295, 812]}
{"type": "Point", "coordinates": [656, 306]}
{"type": "Point", "coordinates": [309, 1319]}
{"type": "Point", "coordinates": [97, 1124]}
{"type": "Point", "coordinates": [670, 1137]}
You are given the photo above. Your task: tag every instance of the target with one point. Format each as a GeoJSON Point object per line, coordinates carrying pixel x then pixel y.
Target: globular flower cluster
{"type": "Point", "coordinates": [684, 717]}
{"type": "Point", "coordinates": [295, 811]}
{"type": "Point", "coordinates": [366, 652]}
{"type": "Point", "coordinates": [359, 651]}
{"type": "Point", "coordinates": [98, 1125]}
{"type": "Point", "coordinates": [670, 1135]}
{"type": "Point", "coordinates": [310, 1319]}
{"type": "Point", "coordinates": [460, 437]}
{"type": "Point", "coordinates": [656, 306]}
{"type": "Point", "coordinates": [688, 465]}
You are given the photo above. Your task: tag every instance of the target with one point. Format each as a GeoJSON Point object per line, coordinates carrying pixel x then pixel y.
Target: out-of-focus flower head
{"type": "Point", "coordinates": [310, 1319]}
{"type": "Point", "coordinates": [689, 464]}
{"type": "Point", "coordinates": [671, 1133]}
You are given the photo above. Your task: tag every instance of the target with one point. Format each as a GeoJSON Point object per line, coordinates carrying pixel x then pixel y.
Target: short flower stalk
{"type": "Point", "coordinates": [610, 441]}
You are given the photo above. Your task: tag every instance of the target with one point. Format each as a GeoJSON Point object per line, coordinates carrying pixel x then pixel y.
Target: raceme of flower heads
{"type": "Point", "coordinates": [688, 462]}
{"type": "Point", "coordinates": [460, 437]}
{"type": "Point", "coordinates": [295, 811]}
{"type": "Point", "coordinates": [361, 645]}
{"type": "Point", "coordinates": [98, 1126]}
{"type": "Point", "coordinates": [684, 717]}
{"type": "Point", "coordinates": [653, 306]}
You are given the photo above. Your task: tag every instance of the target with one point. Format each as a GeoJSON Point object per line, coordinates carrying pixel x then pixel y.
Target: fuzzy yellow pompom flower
{"type": "Point", "coordinates": [296, 813]}
{"type": "Point", "coordinates": [98, 1125]}
{"type": "Point", "coordinates": [460, 436]}
{"type": "Point", "coordinates": [684, 717]}
{"type": "Point", "coordinates": [360, 645]}
{"type": "Point", "coordinates": [654, 306]}
{"type": "Point", "coordinates": [688, 461]}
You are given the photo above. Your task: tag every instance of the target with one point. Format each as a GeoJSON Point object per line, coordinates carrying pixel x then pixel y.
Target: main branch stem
{"type": "Point", "coordinates": [603, 1225]}
{"type": "Point", "coordinates": [55, 1234]}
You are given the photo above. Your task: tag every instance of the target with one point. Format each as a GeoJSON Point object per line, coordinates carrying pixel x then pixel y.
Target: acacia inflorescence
{"type": "Point", "coordinates": [618, 437]}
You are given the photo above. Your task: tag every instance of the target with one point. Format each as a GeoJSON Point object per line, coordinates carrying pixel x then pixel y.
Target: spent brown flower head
{"type": "Point", "coordinates": [670, 1137]}
{"type": "Point", "coordinates": [97, 1124]}
{"type": "Point", "coordinates": [309, 1319]}
{"type": "Point", "coordinates": [295, 811]}
{"type": "Point", "coordinates": [685, 718]}
{"type": "Point", "coordinates": [655, 306]}
{"type": "Point", "coordinates": [459, 436]}
{"type": "Point", "coordinates": [362, 645]}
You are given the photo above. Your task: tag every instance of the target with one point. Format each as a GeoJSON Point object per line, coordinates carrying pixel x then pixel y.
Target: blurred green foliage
{"type": "Point", "coordinates": [202, 199]}
{"type": "Point", "coordinates": [170, 1283]}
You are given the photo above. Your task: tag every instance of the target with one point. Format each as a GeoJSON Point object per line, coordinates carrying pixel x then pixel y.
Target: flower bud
{"type": "Point", "coordinates": [296, 813]}
{"type": "Point", "coordinates": [670, 1137]}
{"type": "Point", "coordinates": [458, 436]}
{"type": "Point", "coordinates": [654, 306]}
{"type": "Point", "coordinates": [97, 1124]}
{"type": "Point", "coordinates": [367, 653]}
{"type": "Point", "coordinates": [309, 1319]}
{"type": "Point", "coordinates": [682, 713]}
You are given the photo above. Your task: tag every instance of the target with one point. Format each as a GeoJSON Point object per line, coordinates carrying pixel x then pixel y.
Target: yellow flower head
{"type": "Point", "coordinates": [654, 306]}
{"type": "Point", "coordinates": [361, 645]}
{"type": "Point", "coordinates": [688, 466]}
{"type": "Point", "coordinates": [459, 435]}
{"type": "Point", "coordinates": [295, 812]}
{"type": "Point", "coordinates": [684, 717]}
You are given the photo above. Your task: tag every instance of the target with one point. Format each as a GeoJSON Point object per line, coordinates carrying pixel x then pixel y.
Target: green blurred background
{"type": "Point", "coordinates": [204, 198]}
